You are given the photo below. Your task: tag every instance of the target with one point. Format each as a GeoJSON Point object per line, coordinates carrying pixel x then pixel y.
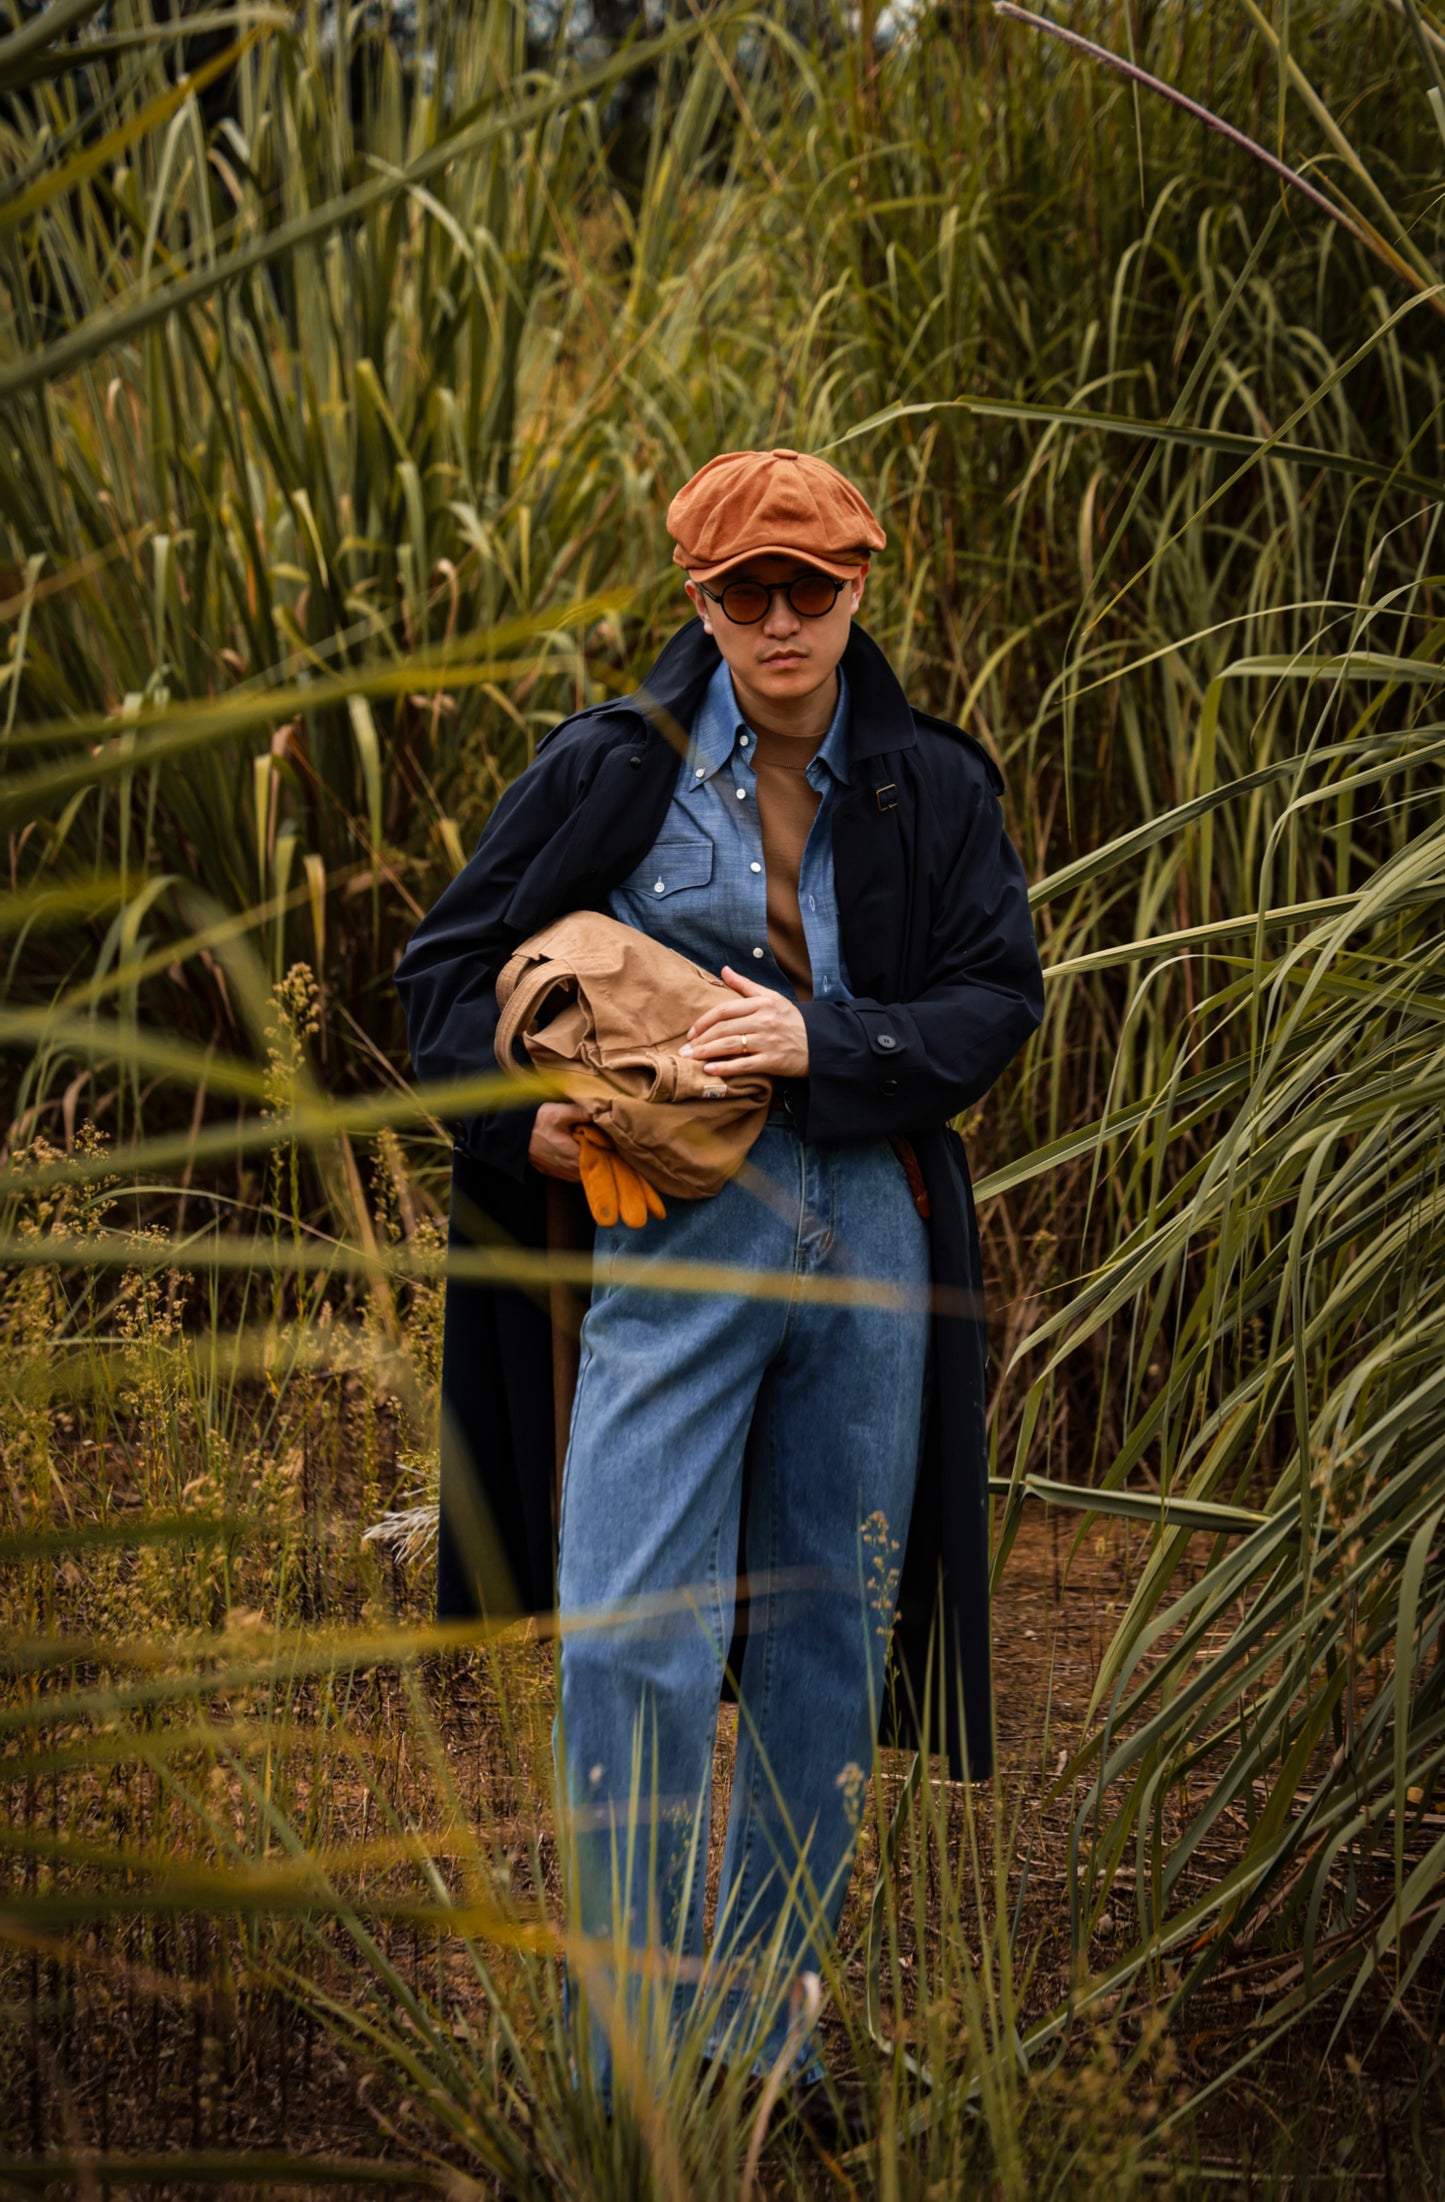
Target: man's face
{"type": "Point", "coordinates": [785, 655]}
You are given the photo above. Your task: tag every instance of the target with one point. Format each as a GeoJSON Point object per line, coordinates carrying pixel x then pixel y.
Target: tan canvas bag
{"type": "Point", "coordinates": [605, 1009]}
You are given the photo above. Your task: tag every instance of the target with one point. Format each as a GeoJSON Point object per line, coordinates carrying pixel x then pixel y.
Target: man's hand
{"type": "Point", "coordinates": [771, 1026]}
{"type": "Point", "coordinates": [552, 1149]}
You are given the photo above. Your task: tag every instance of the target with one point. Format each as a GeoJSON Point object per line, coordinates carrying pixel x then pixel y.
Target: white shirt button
{"type": "Point", "coordinates": [659, 886]}
{"type": "Point", "coordinates": [743, 739]}
{"type": "Point", "coordinates": [755, 867]}
{"type": "Point", "coordinates": [742, 795]}
{"type": "Point", "coordinates": [758, 953]}
{"type": "Point", "coordinates": [701, 773]}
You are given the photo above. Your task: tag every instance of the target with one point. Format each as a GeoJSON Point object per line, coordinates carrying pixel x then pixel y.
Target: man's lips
{"type": "Point", "coordinates": [785, 657]}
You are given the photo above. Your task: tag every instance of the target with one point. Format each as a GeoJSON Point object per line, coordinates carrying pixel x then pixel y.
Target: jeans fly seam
{"type": "Point", "coordinates": [799, 1257]}
{"type": "Point", "coordinates": [830, 1229]}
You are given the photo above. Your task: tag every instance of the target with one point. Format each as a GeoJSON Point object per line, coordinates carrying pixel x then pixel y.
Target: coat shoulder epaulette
{"type": "Point", "coordinates": [971, 742]}
{"type": "Point", "coordinates": [578, 721]}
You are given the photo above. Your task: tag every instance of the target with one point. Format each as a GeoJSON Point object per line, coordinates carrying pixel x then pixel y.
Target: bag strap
{"type": "Point", "coordinates": [521, 1007]}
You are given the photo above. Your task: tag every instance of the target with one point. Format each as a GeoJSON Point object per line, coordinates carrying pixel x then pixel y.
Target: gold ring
{"type": "Point", "coordinates": [744, 1043]}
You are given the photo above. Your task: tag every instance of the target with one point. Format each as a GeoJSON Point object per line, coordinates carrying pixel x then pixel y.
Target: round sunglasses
{"type": "Point", "coordinates": [746, 602]}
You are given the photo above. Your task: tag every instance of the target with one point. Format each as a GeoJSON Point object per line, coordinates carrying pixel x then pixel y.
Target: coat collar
{"type": "Point", "coordinates": [882, 720]}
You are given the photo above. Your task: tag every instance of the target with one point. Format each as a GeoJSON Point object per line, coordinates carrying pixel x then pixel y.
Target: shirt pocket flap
{"type": "Point", "coordinates": [671, 865]}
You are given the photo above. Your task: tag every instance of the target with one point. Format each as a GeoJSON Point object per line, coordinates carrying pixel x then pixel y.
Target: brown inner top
{"type": "Point", "coordinates": [787, 806]}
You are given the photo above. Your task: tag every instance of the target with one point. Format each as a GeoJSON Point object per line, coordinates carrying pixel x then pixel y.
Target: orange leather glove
{"type": "Point", "coordinates": [613, 1188]}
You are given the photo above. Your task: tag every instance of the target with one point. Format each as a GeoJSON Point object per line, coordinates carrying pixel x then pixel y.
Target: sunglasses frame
{"type": "Point", "coordinates": [774, 588]}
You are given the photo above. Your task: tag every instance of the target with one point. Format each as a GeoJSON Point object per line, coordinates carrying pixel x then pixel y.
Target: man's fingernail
{"type": "Point", "coordinates": [684, 1051]}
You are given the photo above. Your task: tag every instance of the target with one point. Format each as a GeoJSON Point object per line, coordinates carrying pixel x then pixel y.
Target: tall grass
{"type": "Point", "coordinates": [342, 397]}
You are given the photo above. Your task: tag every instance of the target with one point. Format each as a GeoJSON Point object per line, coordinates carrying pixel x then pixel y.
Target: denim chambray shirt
{"type": "Point", "coordinates": [702, 889]}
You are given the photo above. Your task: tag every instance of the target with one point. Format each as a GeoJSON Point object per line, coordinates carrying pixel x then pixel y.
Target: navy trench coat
{"type": "Point", "coordinates": [940, 954]}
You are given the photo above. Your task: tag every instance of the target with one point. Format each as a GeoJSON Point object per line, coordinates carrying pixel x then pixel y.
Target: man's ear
{"type": "Point", "coordinates": [697, 600]}
{"type": "Point", "coordinates": [856, 586]}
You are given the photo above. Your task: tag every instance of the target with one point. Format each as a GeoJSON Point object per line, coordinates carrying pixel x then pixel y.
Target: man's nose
{"type": "Point", "coordinates": [781, 618]}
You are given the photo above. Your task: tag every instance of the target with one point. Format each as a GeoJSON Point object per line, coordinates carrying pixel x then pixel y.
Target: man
{"type": "Point", "coordinates": [772, 807]}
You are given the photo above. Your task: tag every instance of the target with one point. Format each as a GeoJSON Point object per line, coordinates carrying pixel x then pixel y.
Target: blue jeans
{"type": "Point", "coordinates": [675, 1388]}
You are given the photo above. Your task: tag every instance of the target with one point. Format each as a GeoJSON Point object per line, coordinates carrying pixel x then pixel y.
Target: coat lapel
{"type": "Point", "coordinates": [875, 827]}
{"type": "Point", "coordinates": [627, 789]}
{"type": "Point", "coordinates": [870, 845]}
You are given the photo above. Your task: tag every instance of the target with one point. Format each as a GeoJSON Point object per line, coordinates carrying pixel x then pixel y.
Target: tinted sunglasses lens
{"type": "Point", "coordinates": [812, 595]}
{"type": "Point", "coordinates": [745, 602]}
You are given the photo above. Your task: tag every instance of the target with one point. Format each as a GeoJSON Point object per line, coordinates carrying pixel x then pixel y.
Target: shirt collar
{"type": "Point", "coordinates": [718, 723]}
{"type": "Point", "coordinates": [715, 728]}
{"type": "Point", "coordinates": [833, 749]}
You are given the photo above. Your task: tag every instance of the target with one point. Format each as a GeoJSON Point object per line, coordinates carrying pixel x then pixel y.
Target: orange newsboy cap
{"type": "Point", "coordinates": [754, 504]}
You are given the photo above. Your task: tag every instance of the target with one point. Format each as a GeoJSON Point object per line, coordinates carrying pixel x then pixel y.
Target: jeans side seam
{"type": "Point", "coordinates": [584, 1364]}
{"type": "Point", "coordinates": [719, 1634]}
{"type": "Point", "coordinates": [760, 1714]}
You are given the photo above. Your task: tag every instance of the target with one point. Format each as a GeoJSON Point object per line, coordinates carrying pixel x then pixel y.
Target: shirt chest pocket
{"type": "Point", "coordinates": [671, 868]}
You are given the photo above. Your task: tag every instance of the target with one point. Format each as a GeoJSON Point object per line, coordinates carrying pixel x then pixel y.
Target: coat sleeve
{"type": "Point", "coordinates": [447, 978]}
{"type": "Point", "coordinates": [877, 1068]}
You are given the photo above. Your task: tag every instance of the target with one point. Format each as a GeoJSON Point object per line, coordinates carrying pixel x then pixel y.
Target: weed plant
{"type": "Point", "coordinates": [343, 388]}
